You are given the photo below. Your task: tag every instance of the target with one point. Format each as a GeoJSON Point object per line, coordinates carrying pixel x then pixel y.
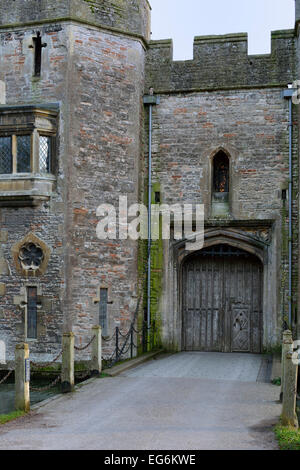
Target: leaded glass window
{"type": "Point", "coordinates": [5, 155]}
{"type": "Point", "coordinates": [23, 153]}
{"type": "Point", "coordinates": [16, 154]}
{"type": "Point", "coordinates": [45, 154]}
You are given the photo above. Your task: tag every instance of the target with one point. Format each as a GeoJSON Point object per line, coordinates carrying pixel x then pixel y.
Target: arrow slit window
{"type": "Point", "coordinates": [31, 322]}
{"type": "Point", "coordinates": [38, 47]}
{"type": "Point", "coordinates": [103, 311]}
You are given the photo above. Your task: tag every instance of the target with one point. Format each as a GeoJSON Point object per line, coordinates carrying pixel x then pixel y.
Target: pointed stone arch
{"type": "Point", "coordinates": [247, 241]}
{"type": "Point", "coordinates": [220, 148]}
{"type": "Point", "coordinates": [222, 299]}
{"type": "Point", "coordinates": [257, 239]}
{"type": "Point", "coordinates": [244, 241]}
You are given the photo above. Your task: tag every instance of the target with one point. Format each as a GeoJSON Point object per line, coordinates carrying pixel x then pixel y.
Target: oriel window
{"type": "Point", "coordinates": [221, 173]}
{"type": "Point", "coordinates": [16, 154]}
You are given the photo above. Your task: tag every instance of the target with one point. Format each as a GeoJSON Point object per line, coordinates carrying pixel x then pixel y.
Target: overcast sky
{"type": "Point", "coordinates": [181, 20]}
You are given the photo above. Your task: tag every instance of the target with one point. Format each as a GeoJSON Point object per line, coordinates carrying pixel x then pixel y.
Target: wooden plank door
{"type": "Point", "coordinates": [222, 302]}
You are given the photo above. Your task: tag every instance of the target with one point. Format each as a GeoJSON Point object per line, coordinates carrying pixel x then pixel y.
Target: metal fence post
{"type": "Point", "coordinates": [22, 377]}
{"type": "Point", "coordinates": [287, 346]}
{"type": "Point", "coordinates": [153, 334]}
{"type": "Point", "coordinates": [289, 416]}
{"type": "Point", "coordinates": [131, 342]}
{"type": "Point", "coordinates": [144, 340]}
{"type": "Point", "coordinates": [96, 361]}
{"type": "Point", "coordinates": [117, 343]}
{"type": "Point", "coordinates": [67, 367]}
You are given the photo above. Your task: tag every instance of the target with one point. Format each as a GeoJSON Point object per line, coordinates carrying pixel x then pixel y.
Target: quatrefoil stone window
{"type": "Point", "coordinates": [31, 256]}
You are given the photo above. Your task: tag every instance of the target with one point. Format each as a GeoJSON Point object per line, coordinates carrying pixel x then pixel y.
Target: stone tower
{"type": "Point", "coordinates": [72, 81]}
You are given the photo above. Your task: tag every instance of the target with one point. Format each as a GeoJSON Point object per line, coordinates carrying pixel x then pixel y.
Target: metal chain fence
{"type": "Point", "coordinates": [46, 387]}
{"type": "Point", "coordinates": [124, 342]}
{"type": "Point", "coordinates": [6, 377]}
{"type": "Point", "coordinates": [41, 366]}
{"type": "Point", "coordinates": [128, 343]}
{"type": "Point", "coordinates": [77, 348]}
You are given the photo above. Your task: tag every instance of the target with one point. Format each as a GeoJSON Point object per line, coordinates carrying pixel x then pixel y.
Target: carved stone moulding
{"type": "Point", "coordinates": [31, 256]}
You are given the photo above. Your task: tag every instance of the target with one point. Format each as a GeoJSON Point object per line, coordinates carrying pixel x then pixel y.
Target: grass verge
{"type": "Point", "coordinates": [288, 438]}
{"type": "Point", "coordinates": [11, 416]}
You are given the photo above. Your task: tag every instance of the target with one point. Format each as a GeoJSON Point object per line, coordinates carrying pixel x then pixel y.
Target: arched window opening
{"type": "Point", "coordinates": [221, 173]}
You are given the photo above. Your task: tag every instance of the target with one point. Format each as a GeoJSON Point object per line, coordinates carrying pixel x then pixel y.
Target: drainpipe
{"type": "Point", "coordinates": [288, 94]}
{"type": "Point", "coordinates": [149, 100]}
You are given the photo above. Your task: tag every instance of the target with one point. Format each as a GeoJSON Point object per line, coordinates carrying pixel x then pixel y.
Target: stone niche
{"type": "Point", "coordinates": [27, 154]}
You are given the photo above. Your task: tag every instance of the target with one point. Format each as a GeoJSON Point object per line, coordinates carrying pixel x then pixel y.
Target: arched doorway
{"type": "Point", "coordinates": [222, 290]}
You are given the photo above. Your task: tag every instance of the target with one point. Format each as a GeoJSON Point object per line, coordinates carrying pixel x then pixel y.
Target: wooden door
{"type": "Point", "coordinates": [222, 301]}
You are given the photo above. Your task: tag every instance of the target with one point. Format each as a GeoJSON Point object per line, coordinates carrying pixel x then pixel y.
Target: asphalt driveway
{"type": "Point", "coordinates": [185, 401]}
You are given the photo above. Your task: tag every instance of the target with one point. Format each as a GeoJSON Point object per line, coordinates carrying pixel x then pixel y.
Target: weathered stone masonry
{"type": "Point", "coordinates": [97, 63]}
{"type": "Point", "coordinates": [225, 99]}
{"type": "Point", "coordinates": [96, 75]}
{"type": "Point", "coordinates": [251, 126]}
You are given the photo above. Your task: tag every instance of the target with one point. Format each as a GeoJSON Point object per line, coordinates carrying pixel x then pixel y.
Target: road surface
{"type": "Point", "coordinates": [184, 401]}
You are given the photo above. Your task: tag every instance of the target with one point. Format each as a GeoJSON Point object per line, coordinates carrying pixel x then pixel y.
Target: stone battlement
{"type": "Point", "coordinates": [132, 17]}
{"type": "Point", "coordinates": [221, 62]}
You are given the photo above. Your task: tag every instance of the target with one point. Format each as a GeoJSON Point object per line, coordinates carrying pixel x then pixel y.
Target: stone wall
{"type": "Point", "coordinates": [221, 62]}
{"type": "Point", "coordinates": [47, 221]}
{"type": "Point", "coordinates": [107, 89]}
{"type": "Point", "coordinates": [251, 126]}
{"type": "Point", "coordinates": [97, 79]}
{"type": "Point", "coordinates": [131, 17]}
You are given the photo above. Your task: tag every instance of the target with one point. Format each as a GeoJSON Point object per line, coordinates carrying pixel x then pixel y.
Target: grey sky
{"type": "Point", "coordinates": [181, 20]}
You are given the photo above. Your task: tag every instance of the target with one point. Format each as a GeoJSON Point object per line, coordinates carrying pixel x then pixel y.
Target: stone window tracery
{"type": "Point", "coordinates": [31, 257]}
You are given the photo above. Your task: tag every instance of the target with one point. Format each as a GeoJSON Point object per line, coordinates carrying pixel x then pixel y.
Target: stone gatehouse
{"type": "Point", "coordinates": [74, 135]}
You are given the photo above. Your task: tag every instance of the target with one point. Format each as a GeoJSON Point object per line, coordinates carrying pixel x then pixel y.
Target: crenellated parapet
{"type": "Point", "coordinates": [131, 17]}
{"type": "Point", "coordinates": [222, 62]}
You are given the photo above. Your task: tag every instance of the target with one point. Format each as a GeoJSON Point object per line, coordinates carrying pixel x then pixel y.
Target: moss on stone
{"type": "Point", "coordinates": [156, 276]}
